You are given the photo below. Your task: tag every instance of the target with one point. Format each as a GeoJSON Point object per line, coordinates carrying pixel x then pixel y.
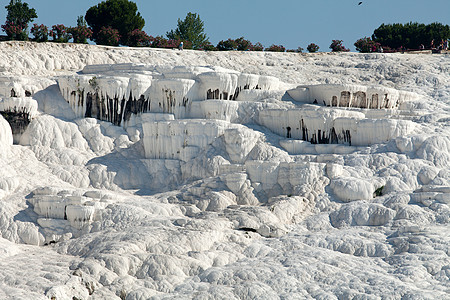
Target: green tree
{"type": "Point", "coordinates": [17, 19]}
{"type": "Point", "coordinates": [227, 45]}
{"type": "Point", "coordinates": [410, 35]}
{"type": "Point", "coordinates": [191, 29]}
{"type": "Point", "coordinates": [117, 14]}
{"type": "Point", "coordinates": [81, 22]}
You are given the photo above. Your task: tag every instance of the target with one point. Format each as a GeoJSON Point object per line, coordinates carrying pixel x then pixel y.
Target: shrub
{"type": "Point", "coordinates": [119, 14]}
{"type": "Point", "coordinates": [276, 48]}
{"type": "Point", "coordinates": [240, 44]}
{"type": "Point", "coordinates": [227, 45]}
{"type": "Point", "coordinates": [60, 34]}
{"type": "Point", "coordinates": [82, 32]}
{"type": "Point", "coordinates": [39, 32]}
{"type": "Point", "coordinates": [243, 44]}
{"type": "Point", "coordinates": [108, 36]}
{"type": "Point", "coordinates": [336, 46]}
{"type": "Point", "coordinates": [186, 44]}
{"type": "Point", "coordinates": [312, 48]}
{"type": "Point", "coordinates": [161, 42]}
{"type": "Point", "coordinates": [138, 38]}
{"type": "Point", "coordinates": [17, 19]}
{"type": "Point", "coordinates": [298, 50]}
{"type": "Point", "coordinates": [366, 45]}
{"type": "Point", "coordinates": [257, 47]}
{"type": "Point", "coordinates": [14, 31]}
{"type": "Point", "coordinates": [207, 47]}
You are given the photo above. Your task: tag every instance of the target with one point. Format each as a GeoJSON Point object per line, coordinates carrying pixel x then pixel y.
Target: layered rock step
{"type": "Point", "coordinates": [351, 95]}
{"type": "Point", "coordinates": [345, 114]}
{"type": "Point", "coordinates": [135, 89]}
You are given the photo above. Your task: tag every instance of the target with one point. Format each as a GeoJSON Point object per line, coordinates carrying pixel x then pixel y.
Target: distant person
{"type": "Point", "coordinates": [380, 49]}
{"type": "Point", "coordinates": [432, 44]}
{"type": "Point", "coordinates": [422, 47]}
{"type": "Point", "coordinates": [180, 46]}
{"type": "Point", "coordinates": [446, 45]}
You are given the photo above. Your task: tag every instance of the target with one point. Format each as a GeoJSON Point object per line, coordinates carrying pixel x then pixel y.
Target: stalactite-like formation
{"type": "Point", "coordinates": [19, 113]}
{"type": "Point", "coordinates": [351, 96]}
{"type": "Point", "coordinates": [115, 98]}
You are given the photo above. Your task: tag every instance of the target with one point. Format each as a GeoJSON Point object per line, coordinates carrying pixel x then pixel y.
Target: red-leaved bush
{"type": "Point", "coordinates": [108, 36]}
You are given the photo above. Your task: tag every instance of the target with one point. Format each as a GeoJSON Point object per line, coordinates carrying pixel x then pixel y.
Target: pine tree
{"type": "Point", "coordinates": [191, 29]}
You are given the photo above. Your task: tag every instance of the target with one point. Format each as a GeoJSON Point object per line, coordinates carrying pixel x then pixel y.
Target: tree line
{"type": "Point", "coordinates": [411, 35]}
{"type": "Point", "coordinates": [118, 22]}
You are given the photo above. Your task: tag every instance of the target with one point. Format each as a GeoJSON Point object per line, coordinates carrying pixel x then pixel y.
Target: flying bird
{"type": "Point", "coordinates": [360, 3]}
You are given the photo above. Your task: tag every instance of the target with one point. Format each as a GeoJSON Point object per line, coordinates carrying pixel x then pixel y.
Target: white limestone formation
{"type": "Point", "coordinates": [64, 212]}
{"type": "Point", "coordinates": [319, 125]}
{"type": "Point", "coordinates": [24, 86]}
{"type": "Point", "coordinates": [18, 112]}
{"type": "Point", "coordinates": [173, 96]}
{"type": "Point", "coordinates": [351, 95]}
{"type": "Point", "coordinates": [180, 139]}
{"type": "Point", "coordinates": [6, 137]}
{"type": "Point", "coordinates": [253, 194]}
{"type": "Point", "coordinates": [115, 92]}
{"type": "Point", "coordinates": [228, 85]}
{"type": "Point", "coordinates": [25, 105]}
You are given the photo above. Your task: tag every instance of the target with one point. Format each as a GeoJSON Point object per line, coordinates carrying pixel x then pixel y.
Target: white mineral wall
{"type": "Point", "coordinates": [121, 68]}
{"type": "Point", "coordinates": [180, 139]}
{"type": "Point", "coordinates": [274, 178]}
{"type": "Point", "coordinates": [221, 86]}
{"type": "Point", "coordinates": [106, 98]}
{"type": "Point", "coordinates": [173, 96]}
{"type": "Point", "coordinates": [6, 137]}
{"type": "Point", "coordinates": [18, 112]}
{"type": "Point", "coordinates": [116, 92]}
{"type": "Point", "coordinates": [25, 105]}
{"type": "Point", "coordinates": [203, 237]}
{"type": "Point", "coordinates": [241, 112]}
{"type": "Point", "coordinates": [350, 95]}
{"type": "Point", "coordinates": [370, 131]}
{"type": "Point", "coordinates": [228, 85]}
{"type": "Point", "coordinates": [320, 125]}
{"type": "Point", "coordinates": [78, 215]}
{"type": "Point", "coordinates": [23, 86]}
{"type": "Point", "coordinates": [304, 147]}
{"type": "Point", "coordinates": [239, 141]}
{"type": "Point", "coordinates": [311, 123]}
{"type": "Point", "coordinates": [187, 72]}
{"type": "Point", "coordinates": [216, 110]}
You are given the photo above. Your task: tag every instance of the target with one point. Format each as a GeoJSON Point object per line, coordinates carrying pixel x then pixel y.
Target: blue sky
{"type": "Point", "coordinates": [291, 23]}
